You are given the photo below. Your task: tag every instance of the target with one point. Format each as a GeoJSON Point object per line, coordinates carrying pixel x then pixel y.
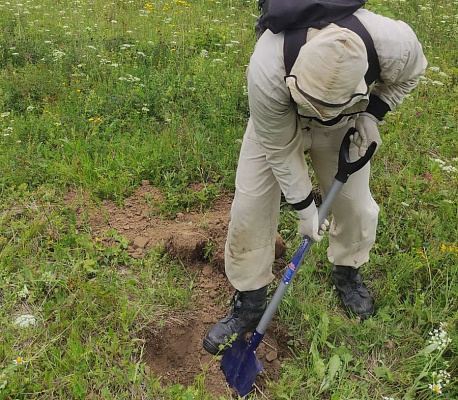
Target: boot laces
{"type": "Point", "coordinates": [357, 286]}
{"type": "Point", "coordinates": [236, 304]}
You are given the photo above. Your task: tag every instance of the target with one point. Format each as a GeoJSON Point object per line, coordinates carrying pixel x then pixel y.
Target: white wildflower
{"type": "Point", "coordinates": [440, 337]}
{"type": "Point", "coordinates": [442, 377]}
{"type": "Point", "coordinates": [449, 168]}
{"type": "Point", "coordinates": [129, 78]}
{"type": "Point", "coordinates": [25, 321]}
{"type": "Point", "coordinates": [443, 165]}
{"type": "Point", "coordinates": [23, 293]}
{"type": "Point", "coordinates": [436, 387]}
{"type": "Point", "coordinates": [57, 54]}
{"type": "Point", "coordinates": [18, 361]}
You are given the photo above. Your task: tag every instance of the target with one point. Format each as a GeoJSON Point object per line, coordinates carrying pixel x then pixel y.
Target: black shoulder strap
{"type": "Point", "coordinates": [296, 38]}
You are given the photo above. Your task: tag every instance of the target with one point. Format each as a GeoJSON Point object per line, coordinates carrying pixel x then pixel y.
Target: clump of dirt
{"type": "Point", "coordinates": [174, 351]}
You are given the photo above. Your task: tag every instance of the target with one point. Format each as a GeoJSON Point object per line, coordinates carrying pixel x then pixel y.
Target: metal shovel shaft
{"type": "Point", "coordinates": [296, 261]}
{"type": "Point", "coordinates": [345, 168]}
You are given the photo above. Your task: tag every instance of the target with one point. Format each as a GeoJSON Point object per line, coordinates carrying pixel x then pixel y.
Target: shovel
{"type": "Point", "coordinates": [239, 363]}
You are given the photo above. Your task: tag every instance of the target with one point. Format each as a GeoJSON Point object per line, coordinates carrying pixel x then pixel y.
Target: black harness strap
{"type": "Point", "coordinates": [354, 24]}
{"type": "Point", "coordinates": [296, 38]}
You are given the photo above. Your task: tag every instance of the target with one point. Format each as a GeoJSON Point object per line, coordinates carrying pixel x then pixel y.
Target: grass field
{"type": "Point", "coordinates": [98, 96]}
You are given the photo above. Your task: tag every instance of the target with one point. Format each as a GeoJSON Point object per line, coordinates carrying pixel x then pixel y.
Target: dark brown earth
{"type": "Point", "coordinates": [174, 351]}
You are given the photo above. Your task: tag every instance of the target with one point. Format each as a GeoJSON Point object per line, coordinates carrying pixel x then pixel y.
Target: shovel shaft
{"type": "Point", "coordinates": [296, 261]}
{"type": "Point", "coordinates": [345, 168]}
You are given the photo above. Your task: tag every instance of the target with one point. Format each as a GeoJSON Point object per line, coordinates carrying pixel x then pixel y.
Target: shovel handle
{"type": "Point", "coordinates": [345, 169]}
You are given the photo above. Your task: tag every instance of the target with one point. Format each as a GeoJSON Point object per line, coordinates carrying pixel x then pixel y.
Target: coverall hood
{"type": "Point", "coordinates": [327, 78]}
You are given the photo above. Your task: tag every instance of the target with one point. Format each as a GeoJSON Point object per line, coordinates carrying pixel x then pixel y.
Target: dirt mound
{"type": "Point", "coordinates": [174, 351]}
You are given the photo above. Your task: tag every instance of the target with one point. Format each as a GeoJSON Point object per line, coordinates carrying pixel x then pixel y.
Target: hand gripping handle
{"type": "Point", "coordinates": [346, 167]}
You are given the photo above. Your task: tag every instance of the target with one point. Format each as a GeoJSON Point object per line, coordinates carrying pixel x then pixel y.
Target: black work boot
{"type": "Point", "coordinates": [353, 292]}
{"type": "Point", "coordinates": [245, 315]}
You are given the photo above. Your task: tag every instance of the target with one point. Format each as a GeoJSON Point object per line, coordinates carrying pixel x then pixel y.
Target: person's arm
{"type": "Point", "coordinates": [402, 63]}
{"type": "Point", "coordinates": [278, 130]}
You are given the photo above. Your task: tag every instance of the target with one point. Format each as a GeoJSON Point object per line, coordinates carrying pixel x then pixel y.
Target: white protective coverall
{"type": "Point", "coordinates": [272, 159]}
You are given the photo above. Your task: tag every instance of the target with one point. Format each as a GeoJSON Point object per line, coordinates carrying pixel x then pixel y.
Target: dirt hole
{"type": "Point", "coordinates": [174, 352]}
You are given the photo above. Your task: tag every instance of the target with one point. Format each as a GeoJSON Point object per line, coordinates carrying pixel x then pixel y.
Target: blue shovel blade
{"type": "Point", "coordinates": [241, 366]}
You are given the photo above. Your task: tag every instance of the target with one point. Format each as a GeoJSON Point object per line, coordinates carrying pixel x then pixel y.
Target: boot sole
{"type": "Point", "coordinates": [368, 314]}
{"type": "Point", "coordinates": [211, 348]}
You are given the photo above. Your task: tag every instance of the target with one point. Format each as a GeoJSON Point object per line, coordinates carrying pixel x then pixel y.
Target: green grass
{"type": "Point", "coordinates": [99, 96]}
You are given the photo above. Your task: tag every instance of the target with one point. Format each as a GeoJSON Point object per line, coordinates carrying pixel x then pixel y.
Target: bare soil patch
{"type": "Point", "coordinates": [174, 351]}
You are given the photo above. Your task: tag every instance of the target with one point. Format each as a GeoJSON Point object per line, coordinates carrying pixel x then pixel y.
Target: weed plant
{"type": "Point", "coordinates": [98, 96]}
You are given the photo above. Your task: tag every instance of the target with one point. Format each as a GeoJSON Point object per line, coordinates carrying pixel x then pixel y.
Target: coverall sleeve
{"type": "Point", "coordinates": [401, 57]}
{"type": "Point", "coordinates": [278, 129]}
